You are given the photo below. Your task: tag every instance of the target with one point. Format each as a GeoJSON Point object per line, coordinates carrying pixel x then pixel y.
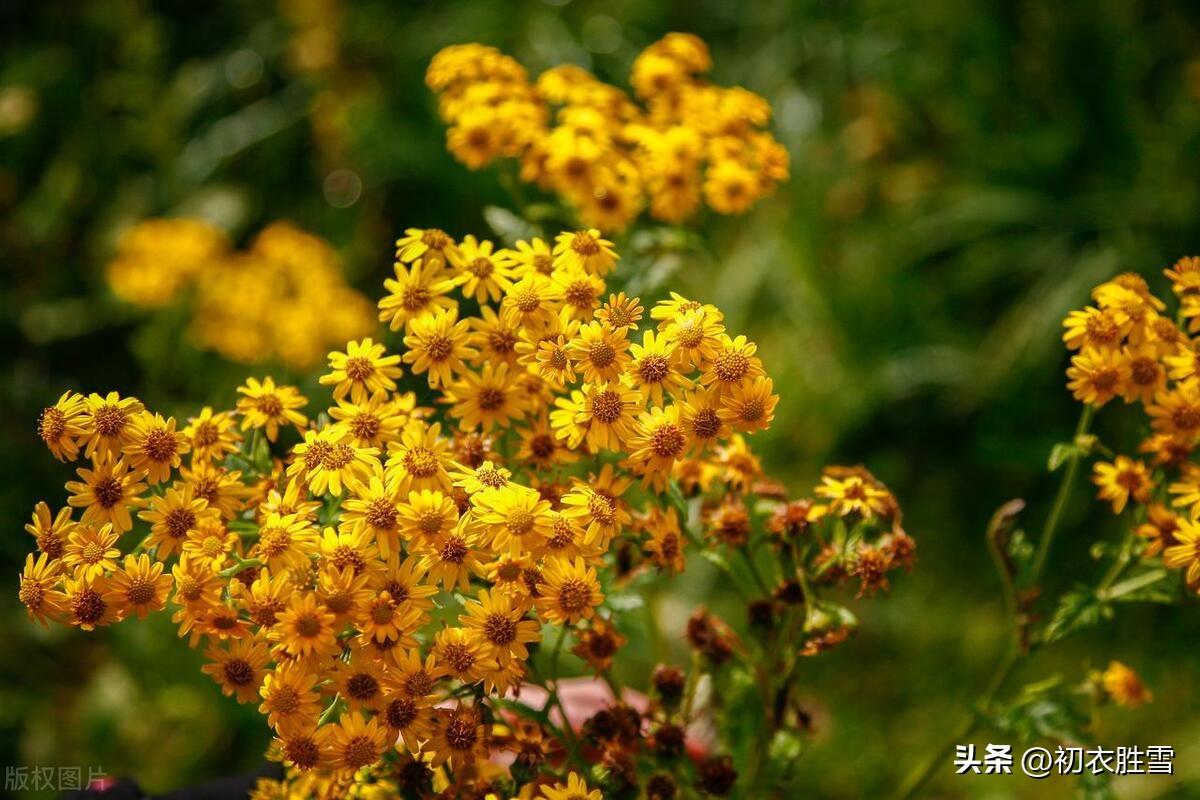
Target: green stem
{"type": "Point", "coordinates": [1060, 500]}
{"type": "Point", "coordinates": [917, 780]}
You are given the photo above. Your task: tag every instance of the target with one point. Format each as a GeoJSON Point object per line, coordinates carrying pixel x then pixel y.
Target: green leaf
{"type": "Point", "coordinates": [507, 225]}
{"type": "Point", "coordinates": [1078, 609]}
{"type": "Point", "coordinates": [1061, 453]}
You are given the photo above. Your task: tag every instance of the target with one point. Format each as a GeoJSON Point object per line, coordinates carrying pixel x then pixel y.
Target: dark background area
{"type": "Point", "coordinates": [963, 174]}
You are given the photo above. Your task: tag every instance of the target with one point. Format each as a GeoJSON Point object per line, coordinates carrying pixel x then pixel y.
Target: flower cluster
{"type": "Point", "coordinates": [283, 298]}
{"type": "Point", "coordinates": [1128, 347]}
{"type": "Point", "coordinates": [687, 143]}
{"type": "Point", "coordinates": [382, 578]}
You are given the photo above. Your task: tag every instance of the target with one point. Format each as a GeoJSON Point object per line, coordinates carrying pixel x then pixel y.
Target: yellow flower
{"type": "Point", "coordinates": [599, 353]}
{"type": "Point", "coordinates": [452, 559]}
{"type": "Point", "coordinates": [361, 371]}
{"type": "Point", "coordinates": [665, 547]}
{"type": "Point", "coordinates": [154, 446]}
{"type": "Point", "coordinates": [460, 738]}
{"type": "Point", "coordinates": [532, 257]}
{"type": "Point", "coordinates": [494, 337]}
{"type": "Point", "coordinates": [421, 459]}
{"type": "Point", "coordinates": [658, 441]}
{"type": "Point", "coordinates": [107, 492]}
{"type": "Point", "coordinates": [427, 516]}
{"type": "Point", "coordinates": [139, 587]}
{"type": "Point", "coordinates": [574, 789]}
{"type": "Point", "coordinates": [516, 518]}
{"type": "Point", "coordinates": [1096, 376]}
{"type": "Point", "coordinates": [532, 303]}
{"type": "Point", "coordinates": [653, 368]}
{"type": "Point", "coordinates": [91, 552]}
{"type": "Point", "coordinates": [1176, 411]}
{"type": "Point", "coordinates": [326, 460]}
{"type": "Point", "coordinates": [541, 448]}
{"type": "Point", "coordinates": [581, 292]}
{"type": "Point", "coordinates": [64, 425]}
{"type": "Point", "coordinates": [174, 516]}
{"type": "Point", "coordinates": [358, 681]}
{"type": "Point", "coordinates": [733, 364]}
{"type": "Point", "coordinates": [111, 421]}
{"type": "Point", "coordinates": [750, 406]}
{"type": "Point", "coordinates": [51, 531]}
{"type": "Point", "coordinates": [285, 543]}
{"type": "Point", "coordinates": [1124, 686]}
{"type": "Point", "coordinates": [854, 494]}
{"type": "Point", "coordinates": [568, 592]}
{"type": "Point", "coordinates": [463, 654]}
{"type": "Point", "coordinates": [601, 414]}
{"type": "Point", "coordinates": [222, 488]}
{"type": "Point", "coordinates": [267, 406]}
{"type": "Point", "coordinates": [438, 344]}
{"type": "Point", "coordinates": [585, 250]}
{"type": "Point", "coordinates": [212, 436]}
{"type": "Point", "coordinates": [289, 701]}
{"type": "Point", "coordinates": [211, 544]}
{"type": "Point", "coordinates": [1094, 327]}
{"type": "Point", "coordinates": [703, 418]}
{"type": "Point", "coordinates": [620, 312]}
{"type": "Point", "coordinates": [696, 335]}
{"type": "Point", "coordinates": [1121, 480]}
{"type": "Point", "coordinates": [414, 293]}
{"type": "Point", "coordinates": [486, 476]}
{"type": "Point", "coordinates": [238, 669]}
{"type": "Point", "coordinates": [85, 605]}
{"type": "Point", "coordinates": [485, 399]}
{"type": "Point", "coordinates": [429, 246]}
{"type": "Point", "coordinates": [305, 629]}
{"type": "Point", "coordinates": [356, 741]}
{"type": "Point", "coordinates": [1185, 554]}
{"type": "Point", "coordinates": [350, 549]}
{"type": "Point", "coordinates": [38, 592]}
{"type": "Point", "coordinates": [373, 423]}
{"type": "Point", "coordinates": [484, 275]}
{"type": "Point", "coordinates": [501, 625]}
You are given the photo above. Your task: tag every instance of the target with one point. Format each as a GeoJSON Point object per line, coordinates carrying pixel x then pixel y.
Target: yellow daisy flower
{"type": "Point", "coordinates": [91, 552]}
{"type": "Point", "coordinates": [267, 406]}
{"type": "Point", "coordinates": [305, 629]}
{"type": "Point", "coordinates": [485, 399]}
{"type": "Point", "coordinates": [372, 423]}
{"type": "Point", "coordinates": [154, 446]}
{"type": "Point", "coordinates": [599, 353]}
{"type": "Point", "coordinates": [174, 516]}
{"type": "Point", "coordinates": [64, 425]}
{"type": "Point", "coordinates": [415, 292]}
{"type": "Point", "coordinates": [51, 531]}
{"type": "Point", "coordinates": [361, 371]}
{"type": "Point", "coordinates": [516, 518]}
{"type": "Point", "coordinates": [568, 592]}
{"type": "Point", "coordinates": [1122, 480]}
{"type": "Point", "coordinates": [574, 789]}
{"type": "Point", "coordinates": [289, 702]}
{"type": "Point", "coordinates": [111, 417]}
{"type": "Point", "coordinates": [38, 593]}
{"type": "Point", "coordinates": [286, 543]}
{"type": "Point", "coordinates": [484, 275]}
{"type": "Point", "coordinates": [238, 669]}
{"type": "Point", "coordinates": [138, 587]}
{"type": "Point", "coordinates": [106, 492]}
{"type": "Point", "coordinates": [212, 436]}
{"type": "Point", "coordinates": [438, 344]}
{"type": "Point", "coordinates": [586, 251]}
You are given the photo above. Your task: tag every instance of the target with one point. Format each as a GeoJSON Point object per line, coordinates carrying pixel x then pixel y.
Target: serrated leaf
{"type": "Point", "coordinates": [1077, 609]}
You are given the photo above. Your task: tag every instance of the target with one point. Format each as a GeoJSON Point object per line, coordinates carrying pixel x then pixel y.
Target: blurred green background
{"type": "Point", "coordinates": [963, 173]}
